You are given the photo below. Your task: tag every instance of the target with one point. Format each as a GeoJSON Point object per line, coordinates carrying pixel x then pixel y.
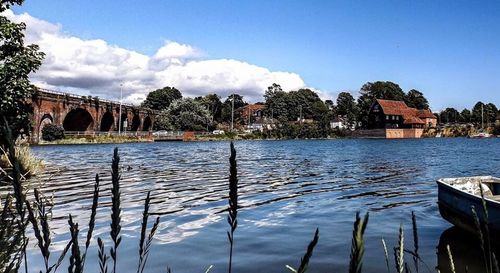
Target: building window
{"type": "Point", "coordinates": [387, 117]}
{"type": "Point", "coordinates": [393, 117]}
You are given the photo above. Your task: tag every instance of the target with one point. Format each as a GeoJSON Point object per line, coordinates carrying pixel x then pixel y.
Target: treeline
{"type": "Point", "coordinates": [481, 113]}
{"type": "Point", "coordinates": [295, 113]}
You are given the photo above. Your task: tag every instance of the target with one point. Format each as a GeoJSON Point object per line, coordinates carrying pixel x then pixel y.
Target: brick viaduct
{"type": "Point", "coordinates": [86, 114]}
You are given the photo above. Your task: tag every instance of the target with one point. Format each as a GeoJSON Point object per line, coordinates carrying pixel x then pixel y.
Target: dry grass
{"type": "Point", "coordinates": [29, 164]}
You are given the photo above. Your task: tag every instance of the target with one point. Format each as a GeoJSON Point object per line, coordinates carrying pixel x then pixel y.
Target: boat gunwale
{"type": "Point", "coordinates": [442, 182]}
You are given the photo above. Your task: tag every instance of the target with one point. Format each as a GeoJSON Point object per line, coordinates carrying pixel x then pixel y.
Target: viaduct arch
{"type": "Point", "coordinates": [86, 114]}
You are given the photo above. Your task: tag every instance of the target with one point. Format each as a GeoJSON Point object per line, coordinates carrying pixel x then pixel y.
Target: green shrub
{"type": "Point", "coordinates": [51, 132]}
{"type": "Point", "coordinates": [496, 130]}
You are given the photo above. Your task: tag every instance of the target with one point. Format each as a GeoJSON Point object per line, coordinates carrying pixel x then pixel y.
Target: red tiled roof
{"type": "Point", "coordinates": [425, 113]}
{"type": "Point", "coordinates": [392, 107]}
{"type": "Point", "coordinates": [252, 107]}
{"type": "Point", "coordinates": [409, 114]}
{"type": "Point", "coordinates": [413, 120]}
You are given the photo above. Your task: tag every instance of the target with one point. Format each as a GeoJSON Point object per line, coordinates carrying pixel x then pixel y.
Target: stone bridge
{"type": "Point", "coordinates": [87, 114]}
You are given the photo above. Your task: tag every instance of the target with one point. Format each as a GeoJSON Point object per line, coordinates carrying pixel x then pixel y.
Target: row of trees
{"type": "Point", "coordinates": [486, 113]}
{"type": "Point", "coordinates": [200, 113]}
{"type": "Point", "coordinates": [205, 112]}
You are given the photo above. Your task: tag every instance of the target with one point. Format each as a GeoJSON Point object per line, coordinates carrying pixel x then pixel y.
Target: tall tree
{"type": "Point", "coordinates": [184, 115]}
{"type": "Point", "coordinates": [161, 98]}
{"type": "Point", "coordinates": [227, 107]}
{"type": "Point", "coordinates": [490, 113]}
{"type": "Point", "coordinates": [17, 61]}
{"type": "Point", "coordinates": [329, 104]}
{"type": "Point", "coordinates": [477, 112]}
{"type": "Point", "coordinates": [276, 103]}
{"type": "Point", "coordinates": [213, 104]}
{"type": "Point", "coordinates": [465, 115]}
{"type": "Point", "coordinates": [377, 90]}
{"type": "Point", "coordinates": [416, 99]}
{"type": "Point", "coordinates": [449, 115]}
{"type": "Point", "coordinates": [347, 107]}
{"type": "Point", "coordinates": [305, 103]}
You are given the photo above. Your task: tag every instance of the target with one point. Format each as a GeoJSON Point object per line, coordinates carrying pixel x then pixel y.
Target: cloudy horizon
{"type": "Point", "coordinates": [95, 67]}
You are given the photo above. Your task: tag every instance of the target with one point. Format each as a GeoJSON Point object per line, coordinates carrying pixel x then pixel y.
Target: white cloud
{"type": "Point", "coordinates": [98, 68]}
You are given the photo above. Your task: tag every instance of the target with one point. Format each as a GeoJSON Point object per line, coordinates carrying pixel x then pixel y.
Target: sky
{"type": "Point", "coordinates": [449, 50]}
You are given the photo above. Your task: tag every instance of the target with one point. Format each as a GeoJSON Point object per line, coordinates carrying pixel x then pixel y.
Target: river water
{"type": "Point", "coordinates": [287, 189]}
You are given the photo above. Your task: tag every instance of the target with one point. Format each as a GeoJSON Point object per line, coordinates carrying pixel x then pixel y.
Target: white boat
{"type": "Point", "coordinates": [457, 196]}
{"type": "Point", "coordinates": [481, 135]}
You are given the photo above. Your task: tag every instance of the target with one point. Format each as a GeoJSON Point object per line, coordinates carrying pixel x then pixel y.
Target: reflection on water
{"type": "Point", "coordinates": [287, 189]}
{"type": "Point", "coordinates": [466, 251]}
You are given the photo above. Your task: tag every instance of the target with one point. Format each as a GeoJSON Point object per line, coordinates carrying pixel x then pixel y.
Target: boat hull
{"type": "Point", "coordinates": [455, 206]}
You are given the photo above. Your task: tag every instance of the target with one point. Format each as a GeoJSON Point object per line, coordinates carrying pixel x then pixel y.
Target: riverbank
{"type": "Point", "coordinates": [97, 140]}
{"type": "Point", "coordinates": [459, 130]}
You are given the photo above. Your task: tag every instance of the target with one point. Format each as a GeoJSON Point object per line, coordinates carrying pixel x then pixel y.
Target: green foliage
{"type": "Point", "coordinates": [449, 115]}
{"type": "Point", "coordinates": [377, 90]}
{"type": "Point", "coordinates": [489, 112]}
{"type": "Point", "coordinates": [290, 106]}
{"type": "Point", "coordinates": [416, 99]}
{"type": "Point", "coordinates": [227, 107]}
{"type": "Point", "coordinates": [51, 132]}
{"type": "Point", "coordinates": [213, 104]}
{"type": "Point", "coordinates": [17, 61]}
{"type": "Point", "coordinates": [496, 130]}
{"type": "Point", "coordinates": [465, 116]}
{"type": "Point", "coordinates": [184, 115]}
{"type": "Point", "coordinates": [347, 107]}
{"type": "Point", "coordinates": [161, 99]}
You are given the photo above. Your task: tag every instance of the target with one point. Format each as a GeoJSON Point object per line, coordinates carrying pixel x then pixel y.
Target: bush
{"type": "Point", "coordinates": [496, 130]}
{"type": "Point", "coordinates": [51, 132]}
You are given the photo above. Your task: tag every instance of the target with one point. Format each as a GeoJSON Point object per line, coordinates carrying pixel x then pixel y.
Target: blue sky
{"type": "Point", "coordinates": [450, 50]}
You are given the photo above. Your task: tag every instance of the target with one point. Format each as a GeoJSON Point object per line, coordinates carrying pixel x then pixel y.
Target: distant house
{"type": "Point", "coordinates": [251, 112]}
{"type": "Point", "coordinates": [396, 114]}
{"type": "Point", "coordinates": [394, 119]}
{"type": "Point", "coordinates": [340, 122]}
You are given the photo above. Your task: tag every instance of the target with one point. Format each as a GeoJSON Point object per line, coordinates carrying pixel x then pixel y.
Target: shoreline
{"type": "Point", "coordinates": [84, 141]}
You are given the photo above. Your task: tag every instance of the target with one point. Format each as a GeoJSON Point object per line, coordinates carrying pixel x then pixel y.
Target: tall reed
{"type": "Point", "coordinates": [233, 202]}
{"type": "Point", "coordinates": [103, 258]}
{"type": "Point", "coordinates": [115, 208]}
{"type": "Point", "coordinates": [75, 259]}
{"type": "Point", "coordinates": [399, 251]}
{"type": "Point", "coordinates": [11, 238]}
{"type": "Point", "coordinates": [145, 245]}
{"type": "Point", "coordinates": [304, 262]}
{"type": "Point", "coordinates": [358, 245]}
{"type": "Point", "coordinates": [415, 254]}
